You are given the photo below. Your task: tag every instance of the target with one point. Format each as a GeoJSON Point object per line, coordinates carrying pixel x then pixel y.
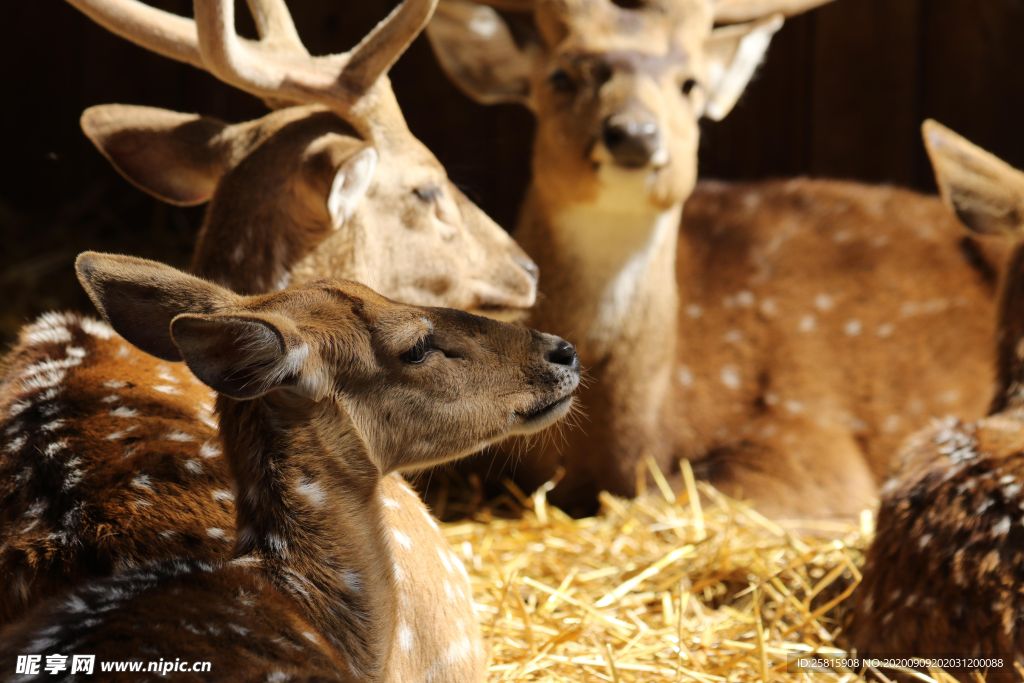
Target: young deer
{"type": "Point", "coordinates": [787, 336]}
{"type": "Point", "coordinates": [98, 475]}
{"type": "Point", "coordinates": [325, 393]}
{"type": "Point", "coordinates": [332, 183]}
{"type": "Point", "coordinates": [945, 574]}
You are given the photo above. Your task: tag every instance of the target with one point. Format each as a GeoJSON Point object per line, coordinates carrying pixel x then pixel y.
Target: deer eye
{"type": "Point", "coordinates": [561, 81]}
{"type": "Point", "coordinates": [689, 85]}
{"type": "Point", "coordinates": [427, 193]}
{"type": "Point", "coordinates": [418, 353]}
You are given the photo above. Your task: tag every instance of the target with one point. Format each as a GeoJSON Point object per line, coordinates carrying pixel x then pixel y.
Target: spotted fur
{"type": "Point", "coordinates": [139, 501]}
{"type": "Point", "coordinates": [945, 573]}
{"type": "Point", "coordinates": [331, 567]}
{"type": "Point", "coordinates": [786, 337]}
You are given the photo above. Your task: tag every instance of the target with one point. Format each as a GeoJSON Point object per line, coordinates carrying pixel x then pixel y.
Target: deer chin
{"type": "Point", "coordinates": [542, 416]}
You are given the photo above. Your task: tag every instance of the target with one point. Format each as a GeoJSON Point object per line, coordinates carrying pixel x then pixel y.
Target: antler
{"type": "Point", "coordinates": [738, 11]}
{"type": "Point", "coordinates": [276, 68]}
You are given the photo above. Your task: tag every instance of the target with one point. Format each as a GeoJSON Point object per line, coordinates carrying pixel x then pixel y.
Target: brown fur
{"type": "Point", "coordinates": [785, 340]}
{"type": "Point", "coordinates": [268, 181]}
{"type": "Point", "coordinates": [943, 575]}
{"type": "Point", "coordinates": [279, 211]}
{"type": "Point", "coordinates": [322, 407]}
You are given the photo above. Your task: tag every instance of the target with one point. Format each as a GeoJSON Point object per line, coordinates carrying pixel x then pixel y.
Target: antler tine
{"type": "Point", "coordinates": [257, 71]}
{"type": "Point", "coordinates": [162, 32]}
{"type": "Point", "coordinates": [510, 5]}
{"type": "Point", "coordinates": [739, 11]}
{"type": "Point", "coordinates": [275, 25]}
{"type": "Point", "coordinates": [378, 51]}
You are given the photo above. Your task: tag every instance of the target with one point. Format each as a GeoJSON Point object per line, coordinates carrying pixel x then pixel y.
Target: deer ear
{"type": "Point", "coordinates": [242, 356]}
{"type": "Point", "coordinates": [178, 158]}
{"type": "Point", "coordinates": [350, 183]}
{"type": "Point", "coordinates": [337, 171]}
{"type": "Point", "coordinates": [734, 53]}
{"type": "Point", "coordinates": [986, 193]}
{"type": "Point", "coordinates": [140, 298]}
{"type": "Point", "coordinates": [475, 47]}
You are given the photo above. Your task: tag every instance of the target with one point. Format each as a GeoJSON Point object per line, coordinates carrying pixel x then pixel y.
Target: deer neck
{"type": "Point", "coordinates": [311, 518]}
{"type": "Point", "coordinates": [1009, 392]}
{"type": "Point", "coordinates": [607, 266]}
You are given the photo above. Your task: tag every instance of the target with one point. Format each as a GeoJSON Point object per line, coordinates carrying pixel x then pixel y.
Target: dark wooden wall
{"type": "Point", "coordinates": [842, 95]}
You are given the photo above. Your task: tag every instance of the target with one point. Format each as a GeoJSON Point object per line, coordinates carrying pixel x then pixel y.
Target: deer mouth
{"type": "Point", "coordinates": [542, 416]}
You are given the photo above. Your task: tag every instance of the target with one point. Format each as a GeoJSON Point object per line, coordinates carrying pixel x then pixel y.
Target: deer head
{"type": "Point", "coordinates": [617, 86]}
{"type": "Point", "coordinates": [421, 385]}
{"type": "Point", "coordinates": [333, 182]}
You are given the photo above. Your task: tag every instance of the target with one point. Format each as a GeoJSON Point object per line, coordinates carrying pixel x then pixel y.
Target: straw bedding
{"type": "Point", "coordinates": [655, 589]}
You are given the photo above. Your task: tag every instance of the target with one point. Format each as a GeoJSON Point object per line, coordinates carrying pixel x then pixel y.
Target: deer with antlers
{"type": "Point", "coordinates": [331, 183]}
{"type": "Point", "coordinates": [787, 336]}
{"type": "Point", "coordinates": [325, 392]}
{"type": "Point", "coordinates": [109, 458]}
{"type": "Point", "coordinates": [950, 539]}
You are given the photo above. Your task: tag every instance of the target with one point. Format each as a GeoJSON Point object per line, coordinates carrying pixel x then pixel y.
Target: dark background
{"type": "Point", "coordinates": [842, 94]}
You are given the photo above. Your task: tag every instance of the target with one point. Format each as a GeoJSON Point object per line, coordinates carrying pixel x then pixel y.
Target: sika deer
{"type": "Point", "coordinates": [326, 392]}
{"type": "Point", "coordinates": [945, 573]}
{"type": "Point", "coordinates": [787, 337]}
{"type": "Point", "coordinates": [331, 184]}
{"type": "Point", "coordinates": [109, 458]}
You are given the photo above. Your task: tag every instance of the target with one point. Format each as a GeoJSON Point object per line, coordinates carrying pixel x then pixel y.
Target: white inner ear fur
{"type": "Point", "coordinates": [729, 72]}
{"type": "Point", "coordinates": [350, 184]}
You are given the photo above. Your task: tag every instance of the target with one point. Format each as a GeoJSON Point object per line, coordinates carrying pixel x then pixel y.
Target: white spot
{"type": "Point", "coordinates": [852, 327]}
{"type": "Point", "coordinates": [311, 637]}
{"type": "Point", "coordinates": [807, 323]}
{"type": "Point", "coordinates": [208, 450]}
{"type": "Point", "coordinates": [891, 424]}
{"type": "Point", "coordinates": [352, 580]}
{"type": "Point", "coordinates": [142, 481]}
{"type": "Point", "coordinates": [114, 384]}
{"type": "Point", "coordinates": [55, 335]}
{"type": "Point", "coordinates": [214, 532]}
{"type": "Point", "coordinates": [15, 445]}
{"type": "Point", "coordinates": [823, 302]}
{"type": "Point", "coordinates": [403, 539]}
{"type": "Point", "coordinates": [391, 503]}
{"type": "Point", "coordinates": [443, 553]}
{"type": "Point", "coordinates": [113, 398]}
{"type": "Point", "coordinates": [730, 376]}
{"type": "Point", "coordinates": [1002, 527]}
{"type": "Point", "coordinates": [684, 376]}
{"type": "Point", "coordinates": [794, 406]}
{"type": "Point", "coordinates": [118, 435]}
{"type": "Point", "coordinates": [769, 308]}
{"type": "Point", "coordinates": [733, 337]}
{"type": "Point", "coordinates": [54, 448]}
{"type": "Point", "coordinates": [223, 495]}
{"type": "Point", "coordinates": [165, 389]}
{"type": "Point", "coordinates": [744, 299]}
{"type": "Point", "coordinates": [313, 493]}
{"type": "Point", "coordinates": [885, 330]}
{"type": "Point", "coordinates": [97, 328]}
{"type": "Point", "coordinates": [193, 466]}
{"type": "Point", "coordinates": [123, 411]}
{"type": "Point", "coordinates": [405, 638]}
{"type": "Point", "coordinates": [923, 542]}
{"type": "Point", "coordinates": [694, 311]}
{"type": "Point", "coordinates": [181, 437]}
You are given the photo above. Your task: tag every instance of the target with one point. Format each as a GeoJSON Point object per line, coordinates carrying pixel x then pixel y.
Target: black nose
{"type": "Point", "coordinates": [632, 141]}
{"type": "Point", "coordinates": [529, 266]}
{"type": "Point", "coordinates": [564, 353]}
